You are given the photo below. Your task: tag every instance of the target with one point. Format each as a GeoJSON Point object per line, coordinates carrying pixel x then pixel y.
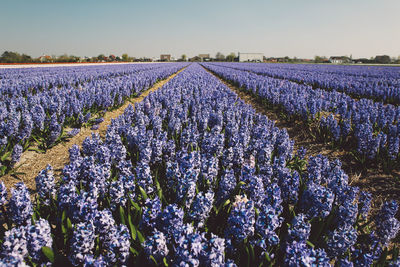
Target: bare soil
{"type": "Point", "coordinates": [32, 163]}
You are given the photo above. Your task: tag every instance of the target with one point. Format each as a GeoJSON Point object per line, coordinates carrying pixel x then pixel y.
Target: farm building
{"type": "Point", "coordinates": [165, 57]}
{"type": "Point", "coordinates": [251, 57]}
{"type": "Point", "coordinates": [204, 57]}
{"type": "Point", "coordinates": [45, 58]}
{"type": "Point", "coordinates": [339, 60]}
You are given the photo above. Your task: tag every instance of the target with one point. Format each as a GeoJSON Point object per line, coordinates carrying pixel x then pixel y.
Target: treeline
{"type": "Point", "coordinates": [14, 57]}
{"type": "Point", "coordinates": [379, 59]}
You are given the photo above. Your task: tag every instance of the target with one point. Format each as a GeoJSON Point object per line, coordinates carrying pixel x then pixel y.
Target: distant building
{"type": "Point", "coordinates": [340, 60]}
{"type": "Point", "coordinates": [45, 58]}
{"type": "Point", "coordinates": [165, 57]}
{"type": "Point", "coordinates": [195, 58]}
{"type": "Point", "coordinates": [204, 57]}
{"type": "Point", "coordinates": [251, 57]}
{"type": "Point", "coordinates": [84, 59]}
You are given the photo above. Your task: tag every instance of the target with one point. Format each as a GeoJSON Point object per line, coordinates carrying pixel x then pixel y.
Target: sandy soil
{"type": "Point", "coordinates": [32, 163]}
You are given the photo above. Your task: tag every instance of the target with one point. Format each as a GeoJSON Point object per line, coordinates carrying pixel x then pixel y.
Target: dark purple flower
{"type": "Point", "coordinates": [82, 242]}
{"type": "Point", "coordinates": [16, 154]}
{"type": "Point", "coordinates": [241, 220]}
{"type": "Point", "coordinates": [156, 246]}
{"type": "Point", "coordinates": [45, 185]}
{"type": "Point", "coordinates": [39, 235]}
{"type": "Point", "coordinates": [20, 206]}
{"type": "Point", "coordinates": [73, 132]}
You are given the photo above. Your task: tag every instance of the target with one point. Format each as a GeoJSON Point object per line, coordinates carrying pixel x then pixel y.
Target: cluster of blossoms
{"type": "Point", "coordinates": [192, 176]}
{"type": "Point", "coordinates": [45, 185]}
{"type": "Point", "coordinates": [23, 241]}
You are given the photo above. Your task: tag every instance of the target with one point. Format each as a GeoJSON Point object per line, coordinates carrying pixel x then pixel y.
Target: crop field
{"type": "Point", "coordinates": [200, 164]}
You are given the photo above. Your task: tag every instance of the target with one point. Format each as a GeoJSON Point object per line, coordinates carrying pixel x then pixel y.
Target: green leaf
{"type": "Point", "coordinates": [140, 236]}
{"type": "Point", "coordinates": [267, 257]}
{"type": "Point", "coordinates": [136, 206]}
{"type": "Point", "coordinates": [248, 256]}
{"type": "Point", "coordinates": [34, 216]}
{"type": "Point", "coordinates": [143, 193]}
{"type": "Point", "coordinates": [252, 252]}
{"type": "Point", "coordinates": [5, 156]}
{"type": "Point", "coordinates": [36, 139]}
{"type": "Point", "coordinates": [122, 215]}
{"type": "Point", "coordinates": [97, 250]}
{"type": "Point", "coordinates": [154, 260]}
{"type": "Point", "coordinates": [69, 224]}
{"type": "Point", "coordinates": [36, 150]}
{"type": "Point", "coordinates": [63, 216]}
{"type": "Point", "coordinates": [63, 229]}
{"type": "Point", "coordinates": [134, 251]}
{"type": "Point", "coordinates": [131, 227]}
{"type": "Point", "coordinates": [165, 261]}
{"type": "Point", "coordinates": [26, 145]}
{"type": "Point", "coordinates": [3, 170]}
{"type": "Point", "coordinates": [48, 252]}
{"type": "Point", "coordinates": [226, 203]}
{"type": "Point", "coordinates": [310, 244]}
{"type": "Point", "coordinates": [240, 184]}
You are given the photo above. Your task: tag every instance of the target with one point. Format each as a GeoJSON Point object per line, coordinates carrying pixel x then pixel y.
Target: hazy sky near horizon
{"type": "Point", "coordinates": [361, 28]}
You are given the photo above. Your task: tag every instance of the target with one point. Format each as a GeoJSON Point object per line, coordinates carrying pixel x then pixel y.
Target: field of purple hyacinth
{"type": "Point", "coordinates": [370, 129]}
{"type": "Point", "coordinates": [193, 176]}
{"type": "Point", "coordinates": [38, 104]}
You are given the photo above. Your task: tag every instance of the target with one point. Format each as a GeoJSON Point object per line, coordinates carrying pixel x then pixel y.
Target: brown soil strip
{"type": "Point", "coordinates": [32, 163]}
{"type": "Point", "coordinates": [381, 185]}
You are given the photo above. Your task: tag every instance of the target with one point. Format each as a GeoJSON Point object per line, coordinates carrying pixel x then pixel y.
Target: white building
{"type": "Point", "coordinates": [251, 57]}
{"type": "Point", "coordinates": [339, 60]}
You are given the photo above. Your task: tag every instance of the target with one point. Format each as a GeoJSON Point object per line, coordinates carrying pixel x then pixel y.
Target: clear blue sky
{"type": "Point", "coordinates": [363, 28]}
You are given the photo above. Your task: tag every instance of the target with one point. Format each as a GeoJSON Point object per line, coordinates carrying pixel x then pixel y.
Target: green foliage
{"type": "Point", "coordinates": [48, 252]}
{"type": "Point", "coordinates": [14, 57]}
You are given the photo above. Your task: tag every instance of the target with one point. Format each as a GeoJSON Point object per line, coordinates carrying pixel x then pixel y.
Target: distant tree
{"type": "Point", "coordinates": [10, 57]}
{"type": "Point", "coordinates": [231, 57]}
{"type": "Point", "coordinates": [26, 58]}
{"type": "Point", "coordinates": [318, 59]}
{"type": "Point", "coordinates": [111, 58]}
{"type": "Point", "coordinates": [385, 59]}
{"type": "Point", "coordinates": [219, 56]}
{"type": "Point", "coordinates": [62, 58]}
{"type": "Point", "coordinates": [74, 58]}
{"type": "Point", "coordinates": [183, 57]}
{"type": "Point", "coordinates": [125, 57]}
{"type": "Point", "coordinates": [101, 57]}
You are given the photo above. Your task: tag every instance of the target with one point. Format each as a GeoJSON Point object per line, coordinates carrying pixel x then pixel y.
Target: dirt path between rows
{"type": "Point", "coordinates": [381, 185]}
{"type": "Point", "coordinates": [32, 163]}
